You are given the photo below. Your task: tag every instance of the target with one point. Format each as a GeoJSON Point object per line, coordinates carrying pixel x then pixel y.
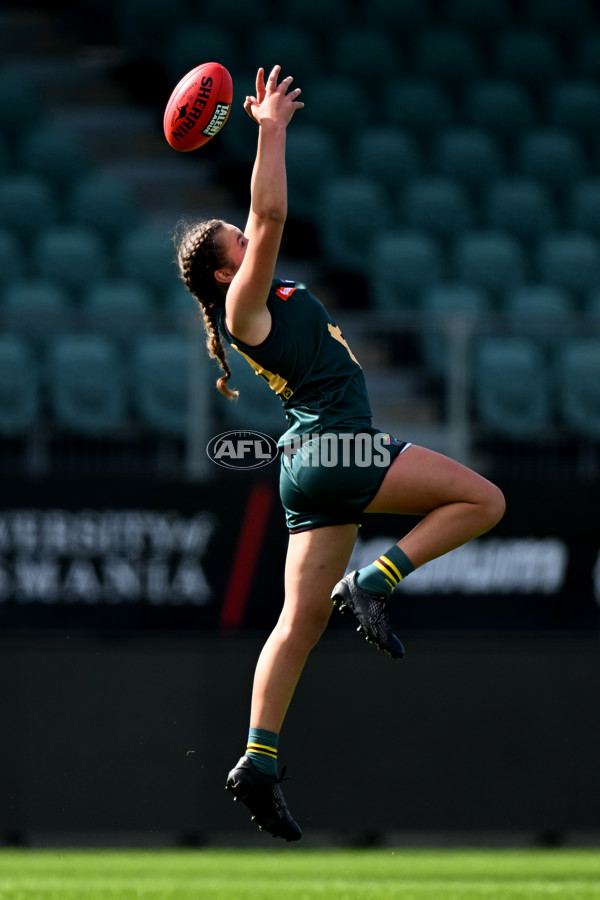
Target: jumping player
{"type": "Point", "coordinates": [290, 340]}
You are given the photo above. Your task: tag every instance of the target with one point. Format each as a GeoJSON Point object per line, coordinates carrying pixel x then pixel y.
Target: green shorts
{"type": "Point", "coordinates": [329, 479]}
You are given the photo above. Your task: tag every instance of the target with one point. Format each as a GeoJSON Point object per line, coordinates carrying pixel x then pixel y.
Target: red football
{"type": "Point", "coordinates": [198, 107]}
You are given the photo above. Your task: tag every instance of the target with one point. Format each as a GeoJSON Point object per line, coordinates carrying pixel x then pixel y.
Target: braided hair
{"type": "Point", "coordinates": [199, 254]}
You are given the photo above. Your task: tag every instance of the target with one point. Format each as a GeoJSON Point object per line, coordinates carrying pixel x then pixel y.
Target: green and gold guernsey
{"type": "Point", "coordinates": [307, 362]}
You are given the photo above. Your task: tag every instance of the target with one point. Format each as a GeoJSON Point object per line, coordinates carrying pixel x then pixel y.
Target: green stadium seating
{"type": "Point", "coordinates": [28, 203]}
{"type": "Point", "coordinates": [530, 58]}
{"type": "Point", "coordinates": [353, 210]}
{"type": "Point", "coordinates": [313, 158]}
{"type": "Point", "coordinates": [470, 155]}
{"type": "Point", "coordinates": [161, 382]}
{"type": "Point", "coordinates": [522, 207]}
{"type": "Point", "coordinates": [570, 260]}
{"type": "Point", "coordinates": [19, 386]}
{"type": "Point", "coordinates": [106, 203]}
{"type": "Point", "coordinates": [554, 156]}
{"type": "Point", "coordinates": [577, 376]}
{"type": "Point", "coordinates": [87, 385]}
{"type": "Point", "coordinates": [439, 206]}
{"type": "Point", "coordinates": [451, 56]}
{"type": "Point", "coordinates": [387, 153]}
{"type": "Point", "coordinates": [73, 255]}
{"type": "Point", "coordinates": [489, 260]}
{"type": "Point", "coordinates": [511, 388]}
{"type": "Point", "coordinates": [403, 264]}
{"type": "Point", "coordinates": [503, 108]}
{"type": "Point", "coordinates": [440, 304]}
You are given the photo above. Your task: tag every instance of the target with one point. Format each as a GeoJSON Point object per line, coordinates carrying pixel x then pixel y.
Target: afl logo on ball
{"type": "Point", "coordinates": [242, 449]}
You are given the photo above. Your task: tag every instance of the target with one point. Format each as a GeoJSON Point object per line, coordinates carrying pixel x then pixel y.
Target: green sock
{"type": "Point", "coordinates": [382, 576]}
{"type": "Point", "coordinates": [262, 750]}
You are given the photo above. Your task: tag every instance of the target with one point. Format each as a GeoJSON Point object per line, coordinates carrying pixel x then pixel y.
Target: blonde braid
{"type": "Point", "coordinates": [198, 255]}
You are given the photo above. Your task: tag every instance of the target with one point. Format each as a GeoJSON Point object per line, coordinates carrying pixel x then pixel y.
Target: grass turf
{"type": "Point", "coordinates": [295, 873]}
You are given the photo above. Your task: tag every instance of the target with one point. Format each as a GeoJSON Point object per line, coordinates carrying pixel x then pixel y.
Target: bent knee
{"type": "Point", "coordinates": [494, 504]}
{"type": "Point", "coordinates": [303, 630]}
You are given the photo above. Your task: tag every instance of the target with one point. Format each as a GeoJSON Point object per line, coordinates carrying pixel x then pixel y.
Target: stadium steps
{"type": "Point", "coordinates": [80, 94]}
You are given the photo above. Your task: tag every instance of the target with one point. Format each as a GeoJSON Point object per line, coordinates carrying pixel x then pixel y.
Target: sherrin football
{"type": "Point", "coordinates": [198, 107]}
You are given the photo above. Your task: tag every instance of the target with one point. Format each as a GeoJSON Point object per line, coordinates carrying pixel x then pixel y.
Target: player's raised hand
{"type": "Point", "coordinates": [273, 100]}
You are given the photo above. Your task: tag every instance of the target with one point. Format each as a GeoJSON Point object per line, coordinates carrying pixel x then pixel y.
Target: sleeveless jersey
{"type": "Point", "coordinates": [307, 362]}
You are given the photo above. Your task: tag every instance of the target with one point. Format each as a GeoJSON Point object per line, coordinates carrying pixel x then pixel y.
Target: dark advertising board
{"type": "Point", "coordinates": [145, 554]}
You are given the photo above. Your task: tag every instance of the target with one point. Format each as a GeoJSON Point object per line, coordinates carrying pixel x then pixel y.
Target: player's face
{"type": "Point", "coordinates": [234, 243]}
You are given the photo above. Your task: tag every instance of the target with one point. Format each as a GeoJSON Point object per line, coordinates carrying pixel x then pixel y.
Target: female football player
{"type": "Point", "coordinates": [287, 336]}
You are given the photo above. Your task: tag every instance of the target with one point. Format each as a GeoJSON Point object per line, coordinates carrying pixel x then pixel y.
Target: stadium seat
{"type": "Point", "coordinates": [591, 308]}
{"type": "Point", "coordinates": [289, 45]}
{"type": "Point", "coordinates": [388, 154]}
{"type": "Point", "coordinates": [5, 155]}
{"type": "Point", "coordinates": [490, 260]}
{"type": "Point", "coordinates": [239, 18]}
{"type": "Point", "coordinates": [570, 260]}
{"type": "Point", "coordinates": [470, 155]}
{"type": "Point", "coordinates": [586, 54]}
{"type": "Point", "coordinates": [501, 107]}
{"type": "Point", "coordinates": [553, 156]}
{"type": "Point", "coordinates": [72, 255]}
{"type": "Point", "coordinates": [119, 304]}
{"type": "Point", "coordinates": [531, 58]}
{"type": "Point", "coordinates": [440, 304]}
{"type": "Point", "coordinates": [577, 377]}
{"type": "Point", "coordinates": [402, 265]}
{"type": "Point", "coordinates": [358, 51]}
{"type": "Point", "coordinates": [179, 309]}
{"type": "Point", "coordinates": [559, 16]}
{"type": "Point", "coordinates": [544, 312]}
{"type": "Point", "coordinates": [146, 254]}
{"type": "Point", "coordinates": [144, 24]}
{"type": "Point", "coordinates": [404, 17]}
{"type": "Point", "coordinates": [192, 41]}
{"type": "Point", "coordinates": [12, 261]}
{"type": "Point", "coordinates": [19, 386]}
{"type": "Point", "coordinates": [449, 55]}
{"type": "Point", "coordinates": [522, 207]}
{"type": "Point", "coordinates": [511, 387]}
{"type": "Point", "coordinates": [328, 101]}
{"type": "Point", "coordinates": [479, 18]}
{"type": "Point", "coordinates": [28, 203]}
{"type": "Point", "coordinates": [322, 17]}
{"type": "Point", "coordinates": [353, 210]}
{"type": "Point", "coordinates": [438, 206]}
{"type": "Point", "coordinates": [87, 385]}
{"type": "Point", "coordinates": [18, 93]}
{"type": "Point", "coordinates": [106, 203]}
{"type": "Point", "coordinates": [38, 307]}
{"type": "Point", "coordinates": [575, 106]}
{"type": "Point", "coordinates": [161, 382]}
{"type": "Point", "coordinates": [421, 106]}
{"type": "Point", "coordinates": [583, 206]}
{"type": "Point", "coordinates": [44, 151]}
{"type": "Point", "coordinates": [313, 158]}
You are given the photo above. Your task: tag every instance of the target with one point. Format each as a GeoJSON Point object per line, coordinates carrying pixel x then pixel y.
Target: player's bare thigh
{"type": "Point", "coordinates": [420, 480]}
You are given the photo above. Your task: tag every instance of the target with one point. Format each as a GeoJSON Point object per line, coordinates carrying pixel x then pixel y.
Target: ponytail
{"type": "Point", "coordinates": [198, 256]}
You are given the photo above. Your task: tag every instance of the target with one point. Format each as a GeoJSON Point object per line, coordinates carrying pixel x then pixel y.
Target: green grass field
{"type": "Point", "coordinates": [295, 873]}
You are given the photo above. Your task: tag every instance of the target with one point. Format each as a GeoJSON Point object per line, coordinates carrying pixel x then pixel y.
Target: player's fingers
{"type": "Point", "coordinates": [273, 76]}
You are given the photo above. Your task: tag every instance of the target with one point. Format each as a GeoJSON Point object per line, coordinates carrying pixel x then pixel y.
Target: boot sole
{"type": "Point", "coordinates": [344, 607]}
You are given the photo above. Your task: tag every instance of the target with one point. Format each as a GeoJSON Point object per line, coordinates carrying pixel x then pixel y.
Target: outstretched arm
{"type": "Point", "coordinates": [272, 107]}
